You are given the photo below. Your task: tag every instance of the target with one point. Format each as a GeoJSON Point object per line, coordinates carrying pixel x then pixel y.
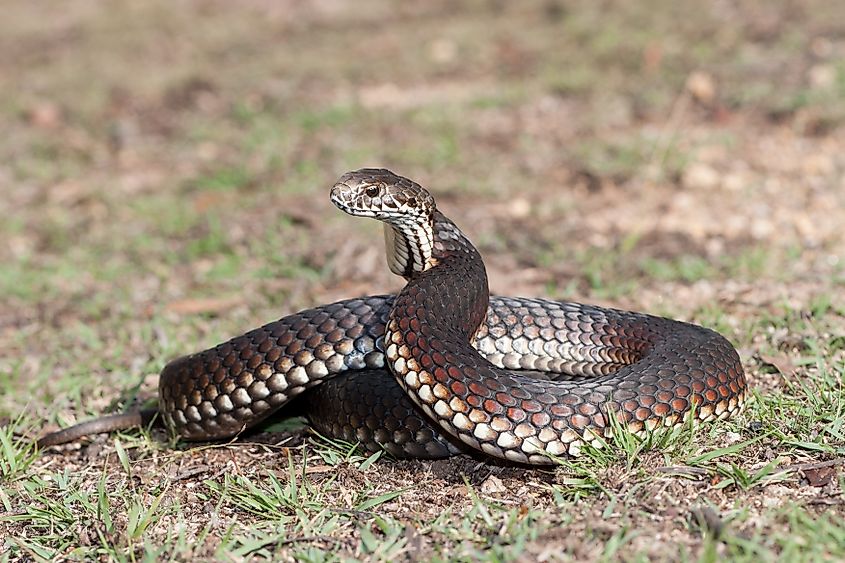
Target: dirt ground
{"type": "Point", "coordinates": [164, 171]}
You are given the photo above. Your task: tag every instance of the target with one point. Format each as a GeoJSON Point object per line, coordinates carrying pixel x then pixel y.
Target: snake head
{"type": "Point", "coordinates": [382, 195]}
{"type": "Point", "coordinates": [405, 208]}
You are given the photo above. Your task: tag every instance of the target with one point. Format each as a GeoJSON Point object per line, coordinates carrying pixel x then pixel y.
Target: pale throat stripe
{"type": "Point", "coordinates": [409, 248]}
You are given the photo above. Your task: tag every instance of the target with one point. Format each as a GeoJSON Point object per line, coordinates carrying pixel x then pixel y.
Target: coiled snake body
{"type": "Point", "coordinates": [462, 358]}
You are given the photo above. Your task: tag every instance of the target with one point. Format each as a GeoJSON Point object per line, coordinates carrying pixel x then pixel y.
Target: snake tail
{"type": "Point", "coordinates": [102, 425]}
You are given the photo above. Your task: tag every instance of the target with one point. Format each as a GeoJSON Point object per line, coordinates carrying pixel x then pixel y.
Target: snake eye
{"type": "Point", "coordinates": [372, 191]}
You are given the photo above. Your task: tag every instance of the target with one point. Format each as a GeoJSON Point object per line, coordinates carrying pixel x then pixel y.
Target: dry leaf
{"type": "Point", "coordinates": [780, 362]}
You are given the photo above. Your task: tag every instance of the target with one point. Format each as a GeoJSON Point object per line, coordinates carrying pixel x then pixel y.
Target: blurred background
{"type": "Point", "coordinates": [164, 166]}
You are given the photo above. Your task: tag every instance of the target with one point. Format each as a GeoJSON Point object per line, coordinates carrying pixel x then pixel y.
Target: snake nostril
{"type": "Point", "coordinates": [336, 194]}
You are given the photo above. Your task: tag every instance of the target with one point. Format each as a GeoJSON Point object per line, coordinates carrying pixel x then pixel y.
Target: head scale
{"type": "Point", "coordinates": [405, 207]}
{"type": "Point", "coordinates": [382, 195]}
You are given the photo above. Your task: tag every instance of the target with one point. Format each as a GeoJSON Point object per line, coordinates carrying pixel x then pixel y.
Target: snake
{"type": "Point", "coordinates": [443, 367]}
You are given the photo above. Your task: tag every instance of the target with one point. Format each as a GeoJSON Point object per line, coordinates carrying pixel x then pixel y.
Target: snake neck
{"type": "Point", "coordinates": [452, 290]}
{"type": "Point", "coordinates": [410, 246]}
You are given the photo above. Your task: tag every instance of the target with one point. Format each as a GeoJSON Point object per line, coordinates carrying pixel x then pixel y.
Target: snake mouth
{"type": "Point", "coordinates": [338, 198]}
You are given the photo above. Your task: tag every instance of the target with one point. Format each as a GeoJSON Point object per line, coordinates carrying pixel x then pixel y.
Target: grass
{"type": "Point", "coordinates": [165, 190]}
{"type": "Point", "coordinates": [293, 510]}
